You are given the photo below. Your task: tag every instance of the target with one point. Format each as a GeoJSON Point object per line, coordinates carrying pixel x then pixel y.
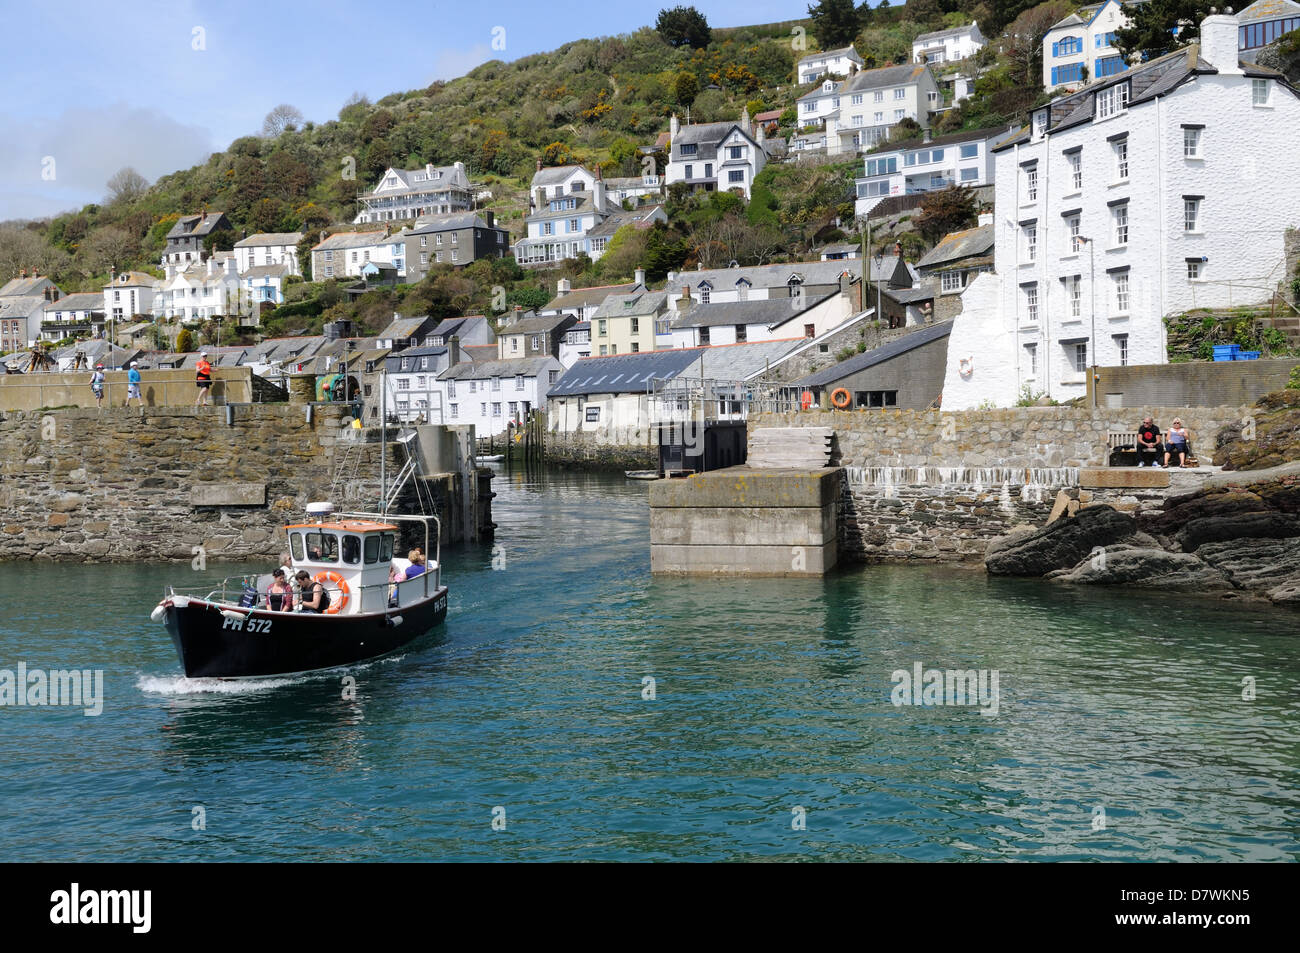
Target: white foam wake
{"type": "Point", "coordinates": [180, 685]}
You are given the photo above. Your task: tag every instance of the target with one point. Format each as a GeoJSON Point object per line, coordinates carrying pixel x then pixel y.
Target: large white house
{"type": "Point", "coordinates": [859, 112]}
{"type": "Point", "coordinates": [715, 156]}
{"type": "Point", "coordinates": [1167, 188]}
{"type": "Point", "coordinates": [948, 46]}
{"type": "Point", "coordinates": [130, 293]}
{"type": "Point", "coordinates": [413, 193]}
{"type": "Point", "coordinates": [202, 291]}
{"type": "Point", "coordinates": [492, 394]}
{"type": "Point", "coordinates": [566, 202]}
{"type": "Point", "coordinates": [269, 248]}
{"type": "Point", "coordinates": [924, 165]}
{"type": "Point", "coordinates": [842, 62]}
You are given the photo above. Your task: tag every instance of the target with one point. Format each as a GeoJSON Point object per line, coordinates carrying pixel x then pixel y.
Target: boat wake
{"type": "Point", "coordinates": [180, 685]}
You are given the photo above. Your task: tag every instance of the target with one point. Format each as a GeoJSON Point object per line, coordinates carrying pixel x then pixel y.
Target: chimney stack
{"type": "Point", "coordinates": [598, 198]}
{"type": "Point", "coordinates": [453, 350]}
{"type": "Point", "coordinates": [1219, 42]}
{"type": "Point", "coordinates": [539, 165]}
{"type": "Point", "coordinates": [674, 127]}
{"type": "Point", "coordinates": [640, 276]}
{"type": "Point", "coordinates": [562, 287]}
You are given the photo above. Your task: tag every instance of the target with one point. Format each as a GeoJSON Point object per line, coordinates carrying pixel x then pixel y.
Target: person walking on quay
{"type": "Point", "coordinates": [203, 378]}
{"type": "Point", "coordinates": [97, 385]}
{"type": "Point", "coordinates": [1149, 443]}
{"type": "Point", "coordinates": [133, 385]}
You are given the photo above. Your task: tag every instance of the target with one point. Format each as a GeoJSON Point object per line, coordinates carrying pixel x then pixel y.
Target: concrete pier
{"type": "Point", "coordinates": [746, 522]}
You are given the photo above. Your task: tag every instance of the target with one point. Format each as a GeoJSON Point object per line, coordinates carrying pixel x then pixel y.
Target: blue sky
{"type": "Point", "coordinates": [159, 86]}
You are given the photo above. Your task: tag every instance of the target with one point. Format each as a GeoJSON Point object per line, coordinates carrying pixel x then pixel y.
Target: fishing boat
{"type": "Point", "coordinates": [641, 474]}
{"type": "Point", "coordinates": [231, 632]}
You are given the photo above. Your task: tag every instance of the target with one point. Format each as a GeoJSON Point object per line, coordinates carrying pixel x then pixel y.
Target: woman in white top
{"type": "Point", "coordinates": [1177, 442]}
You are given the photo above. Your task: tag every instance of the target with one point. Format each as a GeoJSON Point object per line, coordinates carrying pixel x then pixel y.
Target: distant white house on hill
{"type": "Point", "coordinates": [413, 193]}
{"type": "Point", "coordinates": [842, 62]}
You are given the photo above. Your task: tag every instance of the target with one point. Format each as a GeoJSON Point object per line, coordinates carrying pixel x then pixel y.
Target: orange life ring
{"type": "Point", "coordinates": [330, 576]}
{"type": "Point", "coordinates": [840, 398]}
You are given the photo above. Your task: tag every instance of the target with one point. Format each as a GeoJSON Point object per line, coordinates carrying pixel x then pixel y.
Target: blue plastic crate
{"type": "Point", "coordinates": [1246, 356]}
{"type": "Point", "coordinates": [1226, 352]}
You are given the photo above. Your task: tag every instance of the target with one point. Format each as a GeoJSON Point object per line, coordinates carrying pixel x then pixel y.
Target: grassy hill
{"type": "Point", "coordinates": [593, 101]}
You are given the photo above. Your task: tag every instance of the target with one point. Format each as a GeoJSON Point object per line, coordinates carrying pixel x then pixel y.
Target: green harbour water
{"type": "Point", "coordinates": [1121, 731]}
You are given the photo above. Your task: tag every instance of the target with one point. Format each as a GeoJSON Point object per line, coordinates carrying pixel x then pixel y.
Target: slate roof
{"type": "Point", "coordinates": [81, 301]}
{"type": "Point", "coordinates": [958, 245]}
{"type": "Point", "coordinates": [643, 216]}
{"type": "Point", "coordinates": [402, 328]}
{"type": "Point", "coordinates": [23, 306]}
{"type": "Point", "coordinates": [450, 221]}
{"type": "Point", "coordinates": [266, 271]}
{"type": "Point", "coordinates": [885, 76]}
{"type": "Point", "coordinates": [831, 54]}
{"type": "Point", "coordinates": [1268, 10]}
{"type": "Point", "coordinates": [766, 276]}
{"type": "Point", "coordinates": [510, 367]}
{"type": "Point", "coordinates": [269, 238]}
{"type": "Point", "coordinates": [534, 324]}
{"type": "Point", "coordinates": [451, 177]}
{"type": "Point", "coordinates": [1147, 81]}
{"type": "Point", "coordinates": [478, 353]}
{"type": "Point", "coordinates": [196, 226]}
{"type": "Point", "coordinates": [622, 373]}
{"type": "Point", "coordinates": [586, 297]}
{"type": "Point", "coordinates": [431, 351]}
{"type": "Point", "coordinates": [637, 304]}
{"type": "Point", "coordinates": [16, 287]}
{"type": "Point", "coordinates": [738, 361]}
{"type": "Point", "coordinates": [354, 240]}
{"type": "Point", "coordinates": [952, 138]}
{"type": "Point", "coordinates": [554, 175]}
{"type": "Point", "coordinates": [940, 34]}
{"type": "Point", "coordinates": [134, 279]}
{"type": "Point", "coordinates": [707, 136]}
{"type": "Point", "coordinates": [769, 313]}
{"type": "Point", "coordinates": [886, 352]}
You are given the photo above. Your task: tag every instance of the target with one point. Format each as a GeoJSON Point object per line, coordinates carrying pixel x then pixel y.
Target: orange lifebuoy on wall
{"type": "Point", "coordinates": [840, 398]}
{"type": "Point", "coordinates": [330, 577]}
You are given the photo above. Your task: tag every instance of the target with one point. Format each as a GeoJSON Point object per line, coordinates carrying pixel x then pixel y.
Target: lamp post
{"type": "Point", "coordinates": [1092, 308]}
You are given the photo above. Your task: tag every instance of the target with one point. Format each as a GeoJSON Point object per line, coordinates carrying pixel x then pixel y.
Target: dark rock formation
{"type": "Point", "coordinates": [1059, 545]}
{"type": "Point", "coordinates": [1267, 438]}
{"type": "Point", "coordinates": [1127, 565]}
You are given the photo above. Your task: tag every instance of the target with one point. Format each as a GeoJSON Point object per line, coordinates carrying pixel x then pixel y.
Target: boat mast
{"type": "Point", "coordinates": [383, 438]}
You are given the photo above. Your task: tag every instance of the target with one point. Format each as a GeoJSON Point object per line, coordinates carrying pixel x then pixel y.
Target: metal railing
{"type": "Point", "coordinates": [680, 398]}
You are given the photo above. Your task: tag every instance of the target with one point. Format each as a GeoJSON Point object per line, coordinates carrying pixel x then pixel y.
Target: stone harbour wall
{"type": "Point", "coordinates": [883, 522]}
{"type": "Point", "coordinates": [118, 485]}
{"type": "Point", "coordinates": [1013, 437]}
{"type": "Point", "coordinates": [617, 448]}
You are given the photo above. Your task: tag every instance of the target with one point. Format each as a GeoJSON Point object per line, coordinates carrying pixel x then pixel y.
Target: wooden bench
{"type": "Point", "coordinates": [1122, 449]}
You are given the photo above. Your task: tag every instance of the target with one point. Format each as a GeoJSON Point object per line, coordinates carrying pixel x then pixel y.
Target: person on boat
{"type": "Point", "coordinates": [203, 379]}
{"type": "Point", "coordinates": [279, 595]}
{"type": "Point", "coordinates": [417, 564]}
{"type": "Point", "coordinates": [314, 598]}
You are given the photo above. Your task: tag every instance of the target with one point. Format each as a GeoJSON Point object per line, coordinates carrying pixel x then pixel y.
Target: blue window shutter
{"type": "Point", "coordinates": [1056, 51]}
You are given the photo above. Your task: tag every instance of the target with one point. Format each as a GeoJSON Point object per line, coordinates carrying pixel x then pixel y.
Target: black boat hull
{"type": "Point", "coordinates": [213, 643]}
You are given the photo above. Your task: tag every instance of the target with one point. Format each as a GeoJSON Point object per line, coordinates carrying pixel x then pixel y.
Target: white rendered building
{"type": "Point", "coordinates": [948, 46]}
{"type": "Point", "coordinates": [925, 165]}
{"type": "Point", "coordinates": [1164, 189]}
{"type": "Point", "coordinates": [842, 62]}
{"type": "Point", "coordinates": [269, 248]}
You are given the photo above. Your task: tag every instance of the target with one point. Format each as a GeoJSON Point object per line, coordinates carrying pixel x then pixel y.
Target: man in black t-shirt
{"type": "Point", "coordinates": [1149, 448]}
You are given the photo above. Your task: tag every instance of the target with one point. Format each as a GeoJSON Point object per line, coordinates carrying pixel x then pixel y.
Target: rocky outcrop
{"type": "Point", "coordinates": [1266, 437]}
{"type": "Point", "coordinates": [1059, 545]}
{"type": "Point", "coordinates": [1145, 566]}
{"type": "Point", "coordinates": [1239, 535]}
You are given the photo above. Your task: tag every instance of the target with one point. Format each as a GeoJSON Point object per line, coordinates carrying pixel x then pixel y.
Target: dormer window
{"type": "Point", "coordinates": [688, 148]}
{"type": "Point", "coordinates": [705, 290]}
{"type": "Point", "coordinates": [1112, 101]}
{"type": "Point", "coordinates": [1040, 123]}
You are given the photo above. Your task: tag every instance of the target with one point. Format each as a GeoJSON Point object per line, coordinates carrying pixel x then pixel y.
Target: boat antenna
{"type": "Point", "coordinates": [383, 439]}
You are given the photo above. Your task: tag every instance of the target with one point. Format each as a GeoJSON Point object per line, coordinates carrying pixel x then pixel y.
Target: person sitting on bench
{"type": "Point", "coordinates": [1148, 444]}
{"type": "Point", "coordinates": [1177, 443]}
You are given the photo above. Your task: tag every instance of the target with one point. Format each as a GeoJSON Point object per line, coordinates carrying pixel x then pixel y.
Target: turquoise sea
{"type": "Point", "coordinates": [1121, 731]}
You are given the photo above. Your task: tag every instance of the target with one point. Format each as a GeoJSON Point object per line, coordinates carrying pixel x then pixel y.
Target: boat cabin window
{"type": "Point", "coordinates": [322, 548]}
{"type": "Point", "coordinates": [372, 550]}
{"type": "Point", "coordinates": [295, 546]}
{"type": "Point", "coordinates": [352, 549]}
{"type": "Point", "coordinates": [386, 550]}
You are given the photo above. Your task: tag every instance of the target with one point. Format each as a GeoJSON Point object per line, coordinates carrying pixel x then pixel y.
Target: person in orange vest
{"type": "Point", "coordinates": [203, 377]}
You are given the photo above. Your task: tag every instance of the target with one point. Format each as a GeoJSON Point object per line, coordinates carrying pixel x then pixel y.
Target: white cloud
{"type": "Point", "coordinates": [87, 146]}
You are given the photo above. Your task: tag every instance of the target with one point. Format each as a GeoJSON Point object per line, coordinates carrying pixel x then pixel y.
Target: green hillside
{"type": "Point", "coordinates": [593, 101]}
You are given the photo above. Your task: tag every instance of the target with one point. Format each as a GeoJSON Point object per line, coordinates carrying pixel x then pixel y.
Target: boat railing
{"type": "Point", "coordinates": [379, 597]}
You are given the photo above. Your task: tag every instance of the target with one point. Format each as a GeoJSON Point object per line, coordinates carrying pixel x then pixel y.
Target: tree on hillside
{"type": "Point", "coordinates": [1151, 30]}
{"type": "Point", "coordinates": [684, 26]}
{"type": "Point", "coordinates": [126, 185]}
{"type": "Point", "coordinates": [105, 248]}
{"type": "Point", "coordinates": [836, 23]}
{"type": "Point", "coordinates": [685, 88]}
{"type": "Point", "coordinates": [1001, 13]}
{"type": "Point", "coordinates": [947, 210]}
{"type": "Point", "coordinates": [280, 120]}
{"type": "Point", "coordinates": [184, 341]}
{"type": "Point", "coordinates": [557, 153]}
{"type": "Point", "coordinates": [1023, 46]}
